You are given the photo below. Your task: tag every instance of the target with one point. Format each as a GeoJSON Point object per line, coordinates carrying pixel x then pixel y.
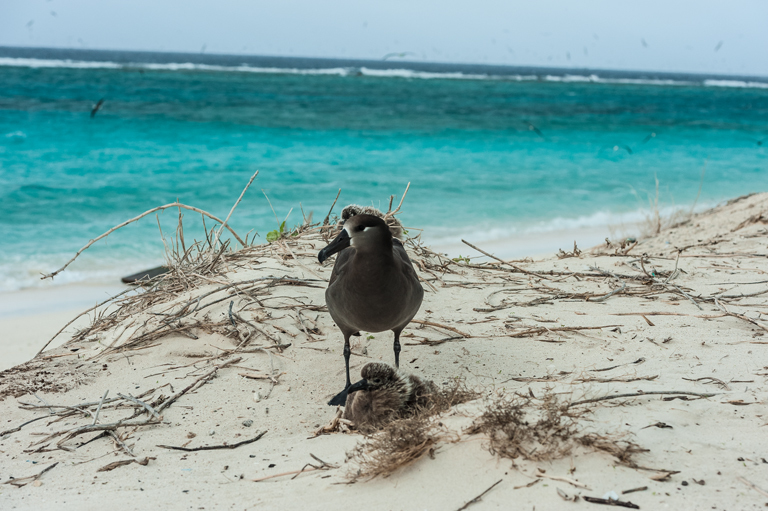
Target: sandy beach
{"type": "Point", "coordinates": [634, 372]}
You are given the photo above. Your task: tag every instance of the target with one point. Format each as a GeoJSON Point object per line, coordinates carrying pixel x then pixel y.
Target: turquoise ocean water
{"type": "Point", "coordinates": [195, 127]}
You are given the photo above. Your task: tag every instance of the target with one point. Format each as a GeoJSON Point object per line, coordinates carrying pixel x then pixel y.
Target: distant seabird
{"type": "Point", "coordinates": [398, 54]}
{"type": "Point", "coordinates": [622, 146]}
{"type": "Point", "coordinates": [536, 130]}
{"type": "Point", "coordinates": [373, 286]}
{"type": "Point", "coordinates": [383, 392]}
{"type": "Point", "coordinates": [96, 108]}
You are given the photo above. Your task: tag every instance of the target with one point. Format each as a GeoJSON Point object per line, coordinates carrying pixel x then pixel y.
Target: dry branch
{"type": "Point", "coordinates": [439, 325]}
{"type": "Point", "coordinates": [479, 497]}
{"type": "Point", "coordinates": [504, 262]}
{"type": "Point", "coordinates": [23, 481]}
{"type": "Point", "coordinates": [641, 394]}
{"type": "Point", "coordinates": [541, 330]}
{"type": "Point", "coordinates": [122, 463]}
{"type": "Point", "coordinates": [226, 220]}
{"type": "Point", "coordinates": [159, 208]}
{"type": "Point", "coordinates": [215, 447]}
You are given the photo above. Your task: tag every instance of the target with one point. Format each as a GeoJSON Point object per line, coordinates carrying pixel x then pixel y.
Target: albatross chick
{"type": "Point", "coordinates": [384, 392]}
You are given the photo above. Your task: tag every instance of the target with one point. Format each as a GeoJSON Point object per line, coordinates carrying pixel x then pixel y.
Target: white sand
{"type": "Point", "coordinates": [720, 441]}
{"type": "Point", "coordinates": [29, 318]}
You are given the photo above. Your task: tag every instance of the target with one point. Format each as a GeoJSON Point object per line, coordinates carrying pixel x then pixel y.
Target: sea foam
{"type": "Point", "coordinates": [401, 73]}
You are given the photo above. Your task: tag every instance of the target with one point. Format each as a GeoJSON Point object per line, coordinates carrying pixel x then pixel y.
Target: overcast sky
{"type": "Point", "coordinates": [710, 36]}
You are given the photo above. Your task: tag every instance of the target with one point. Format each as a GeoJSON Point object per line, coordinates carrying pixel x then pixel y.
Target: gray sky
{"type": "Point", "coordinates": [711, 36]}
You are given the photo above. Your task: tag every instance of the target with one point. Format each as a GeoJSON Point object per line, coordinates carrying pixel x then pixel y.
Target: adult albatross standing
{"type": "Point", "coordinates": [373, 286]}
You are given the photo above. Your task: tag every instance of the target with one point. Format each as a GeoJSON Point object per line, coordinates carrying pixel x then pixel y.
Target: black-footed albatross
{"type": "Point", "coordinates": [373, 286]}
{"type": "Point", "coordinates": [383, 392]}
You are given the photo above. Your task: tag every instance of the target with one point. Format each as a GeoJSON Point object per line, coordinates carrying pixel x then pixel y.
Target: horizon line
{"type": "Point", "coordinates": [389, 63]}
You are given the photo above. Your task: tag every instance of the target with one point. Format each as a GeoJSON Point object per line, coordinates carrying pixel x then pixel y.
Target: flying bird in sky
{"type": "Point", "coordinates": [400, 55]}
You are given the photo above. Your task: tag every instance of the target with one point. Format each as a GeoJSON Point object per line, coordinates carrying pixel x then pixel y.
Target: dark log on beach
{"type": "Point", "coordinates": [145, 275]}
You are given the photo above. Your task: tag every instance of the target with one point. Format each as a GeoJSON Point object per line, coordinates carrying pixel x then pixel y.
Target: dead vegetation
{"type": "Point", "coordinates": [409, 436]}
{"type": "Point", "coordinates": [400, 443]}
{"type": "Point", "coordinates": [543, 429]}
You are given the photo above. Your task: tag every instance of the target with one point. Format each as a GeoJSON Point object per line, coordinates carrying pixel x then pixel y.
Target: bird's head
{"type": "Point", "coordinates": [364, 232]}
{"type": "Point", "coordinates": [378, 375]}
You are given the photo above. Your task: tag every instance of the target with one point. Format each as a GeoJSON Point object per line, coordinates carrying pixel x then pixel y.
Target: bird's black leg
{"type": "Point", "coordinates": [397, 350]}
{"type": "Point", "coordinates": [347, 353]}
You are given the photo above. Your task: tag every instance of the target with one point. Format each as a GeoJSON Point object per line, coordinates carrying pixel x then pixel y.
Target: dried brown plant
{"type": "Point", "coordinates": [408, 436]}
{"type": "Point", "coordinates": [545, 428]}
{"type": "Point", "coordinates": [400, 443]}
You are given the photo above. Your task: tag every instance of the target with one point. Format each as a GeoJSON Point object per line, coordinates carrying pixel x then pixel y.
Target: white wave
{"type": "Point", "coordinates": [364, 71]}
{"type": "Point", "coordinates": [571, 78]}
{"type": "Point", "coordinates": [736, 83]}
{"type": "Point", "coordinates": [603, 220]}
{"type": "Point", "coordinates": [16, 135]}
{"type": "Point", "coordinates": [424, 75]}
{"type": "Point", "coordinates": [39, 63]}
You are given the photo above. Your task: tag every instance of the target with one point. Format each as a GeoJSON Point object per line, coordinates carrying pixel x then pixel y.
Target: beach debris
{"type": "Point", "coordinates": [611, 502]}
{"type": "Point", "coordinates": [753, 486]}
{"type": "Point", "coordinates": [23, 481]}
{"type": "Point", "coordinates": [562, 254]}
{"type": "Point", "coordinates": [398, 444]}
{"type": "Point", "coordinates": [662, 476]}
{"type": "Point", "coordinates": [566, 496]}
{"type": "Point", "coordinates": [408, 437]}
{"type": "Point", "coordinates": [216, 447]}
{"type": "Point", "coordinates": [122, 463]}
{"type": "Point", "coordinates": [145, 275]}
{"type": "Point", "coordinates": [479, 497]}
{"type": "Point", "coordinates": [545, 428]}
{"type": "Point", "coordinates": [336, 425]}
{"type": "Point", "coordinates": [660, 425]}
{"type": "Point", "coordinates": [296, 473]}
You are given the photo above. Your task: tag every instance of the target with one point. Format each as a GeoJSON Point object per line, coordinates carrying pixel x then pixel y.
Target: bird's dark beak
{"type": "Point", "coordinates": [341, 397]}
{"type": "Point", "coordinates": [361, 385]}
{"type": "Point", "coordinates": [337, 245]}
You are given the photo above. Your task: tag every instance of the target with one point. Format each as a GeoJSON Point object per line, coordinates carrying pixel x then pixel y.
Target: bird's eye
{"type": "Point", "coordinates": [360, 227]}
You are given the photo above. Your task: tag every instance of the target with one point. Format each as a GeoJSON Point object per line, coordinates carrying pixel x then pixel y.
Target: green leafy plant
{"type": "Point", "coordinates": [275, 234]}
{"type": "Point", "coordinates": [461, 259]}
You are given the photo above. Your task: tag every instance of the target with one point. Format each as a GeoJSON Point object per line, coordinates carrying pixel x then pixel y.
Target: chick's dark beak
{"type": "Point", "coordinates": [341, 397]}
{"type": "Point", "coordinates": [361, 385]}
{"type": "Point", "coordinates": [337, 245]}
